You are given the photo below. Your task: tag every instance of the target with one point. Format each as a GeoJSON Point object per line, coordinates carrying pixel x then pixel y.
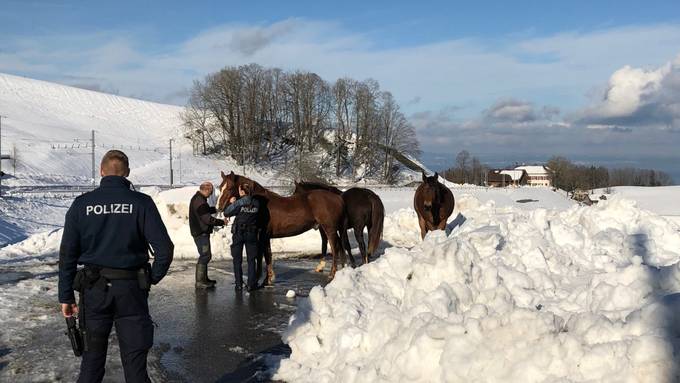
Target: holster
{"type": "Point", "coordinates": [144, 277]}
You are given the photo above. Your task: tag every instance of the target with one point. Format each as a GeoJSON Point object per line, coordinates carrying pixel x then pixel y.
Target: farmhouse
{"type": "Point", "coordinates": [496, 178]}
{"type": "Point", "coordinates": [537, 175]}
{"type": "Point", "coordinates": [518, 176]}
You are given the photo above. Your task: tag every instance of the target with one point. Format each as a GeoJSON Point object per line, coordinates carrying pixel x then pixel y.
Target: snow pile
{"type": "Point", "coordinates": [510, 296]}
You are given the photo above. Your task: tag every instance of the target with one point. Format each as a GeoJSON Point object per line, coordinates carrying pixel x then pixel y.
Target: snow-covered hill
{"type": "Point", "coordinates": [50, 127]}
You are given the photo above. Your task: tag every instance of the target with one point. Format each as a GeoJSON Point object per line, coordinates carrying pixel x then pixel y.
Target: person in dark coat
{"type": "Point", "coordinates": [110, 231]}
{"type": "Point", "coordinates": [201, 223]}
{"type": "Point", "coordinates": [245, 232]}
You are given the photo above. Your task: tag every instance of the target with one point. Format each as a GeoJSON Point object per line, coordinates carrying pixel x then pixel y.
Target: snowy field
{"type": "Point", "coordinates": [664, 200]}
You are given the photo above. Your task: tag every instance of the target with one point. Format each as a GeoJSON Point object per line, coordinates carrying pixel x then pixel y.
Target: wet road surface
{"type": "Point", "coordinates": [220, 335]}
{"type": "Point", "coordinates": [201, 336]}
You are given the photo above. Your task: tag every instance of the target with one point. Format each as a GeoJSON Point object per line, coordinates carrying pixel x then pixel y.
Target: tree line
{"type": "Point", "coordinates": [566, 174]}
{"type": "Point", "coordinates": [467, 170]}
{"type": "Point", "coordinates": [570, 176]}
{"type": "Point", "coordinates": [297, 120]}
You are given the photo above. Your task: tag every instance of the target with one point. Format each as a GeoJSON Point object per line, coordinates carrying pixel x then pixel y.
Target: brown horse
{"type": "Point", "coordinates": [434, 204]}
{"type": "Point", "coordinates": [290, 216]}
{"type": "Point", "coordinates": [364, 210]}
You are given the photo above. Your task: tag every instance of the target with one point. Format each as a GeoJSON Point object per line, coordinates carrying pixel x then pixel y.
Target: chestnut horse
{"type": "Point", "coordinates": [364, 210]}
{"type": "Point", "coordinates": [290, 216]}
{"type": "Point", "coordinates": [434, 204]}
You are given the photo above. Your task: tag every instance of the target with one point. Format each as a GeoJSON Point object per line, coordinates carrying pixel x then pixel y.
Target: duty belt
{"type": "Point", "coordinates": [116, 274]}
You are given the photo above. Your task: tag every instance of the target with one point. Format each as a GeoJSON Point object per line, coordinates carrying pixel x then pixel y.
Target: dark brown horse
{"type": "Point", "coordinates": [364, 210]}
{"type": "Point", "coordinates": [434, 204]}
{"type": "Point", "coordinates": [290, 216]}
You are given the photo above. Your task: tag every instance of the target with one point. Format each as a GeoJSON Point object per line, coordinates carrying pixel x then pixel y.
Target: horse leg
{"type": "Point", "coordinates": [345, 244]}
{"type": "Point", "coordinates": [324, 246]}
{"type": "Point", "coordinates": [423, 227]}
{"type": "Point", "coordinates": [359, 236]}
{"type": "Point", "coordinates": [442, 225]}
{"type": "Point", "coordinates": [333, 240]}
{"type": "Point", "coordinates": [269, 260]}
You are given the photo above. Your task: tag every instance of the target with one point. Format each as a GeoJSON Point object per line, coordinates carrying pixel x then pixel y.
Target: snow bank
{"type": "Point", "coordinates": [509, 295]}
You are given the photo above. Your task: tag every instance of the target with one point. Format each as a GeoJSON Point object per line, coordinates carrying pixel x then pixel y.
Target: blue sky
{"type": "Point", "coordinates": [509, 81]}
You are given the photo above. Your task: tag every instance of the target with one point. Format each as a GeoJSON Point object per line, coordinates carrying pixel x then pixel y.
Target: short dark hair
{"type": "Point", "coordinates": [115, 162]}
{"type": "Point", "coordinates": [246, 188]}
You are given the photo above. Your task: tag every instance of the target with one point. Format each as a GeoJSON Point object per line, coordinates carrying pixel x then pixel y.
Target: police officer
{"type": "Point", "coordinates": [201, 223]}
{"type": "Point", "coordinates": [110, 231]}
{"type": "Point", "coordinates": [245, 233]}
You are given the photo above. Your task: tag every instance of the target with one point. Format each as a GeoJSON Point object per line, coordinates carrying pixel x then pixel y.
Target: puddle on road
{"type": "Point", "coordinates": [220, 335]}
{"type": "Point", "coordinates": [8, 276]}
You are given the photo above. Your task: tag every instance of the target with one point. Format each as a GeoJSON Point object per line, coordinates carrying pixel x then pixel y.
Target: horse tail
{"type": "Point", "coordinates": [377, 218]}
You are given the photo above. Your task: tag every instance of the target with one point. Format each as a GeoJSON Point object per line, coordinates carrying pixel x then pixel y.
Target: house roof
{"type": "Point", "coordinates": [496, 176]}
{"type": "Point", "coordinates": [516, 175]}
{"type": "Point", "coordinates": [534, 169]}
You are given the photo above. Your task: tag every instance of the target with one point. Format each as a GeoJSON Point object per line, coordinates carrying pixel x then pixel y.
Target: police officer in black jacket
{"type": "Point", "coordinates": [245, 232]}
{"type": "Point", "coordinates": [110, 231]}
{"type": "Point", "coordinates": [201, 223]}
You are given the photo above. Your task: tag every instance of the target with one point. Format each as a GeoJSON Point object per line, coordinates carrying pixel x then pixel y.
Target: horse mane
{"type": "Point", "coordinates": [257, 188]}
{"type": "Point", "coordinates": [318, 185]}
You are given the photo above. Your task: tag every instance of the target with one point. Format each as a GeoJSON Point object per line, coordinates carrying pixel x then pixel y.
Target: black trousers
{"type": "Point", "coordinates": [247, 239]}
{"type": "Point", "coordinates": [203, 245]}
{"type": "Point", "coordinates": [125, 305]}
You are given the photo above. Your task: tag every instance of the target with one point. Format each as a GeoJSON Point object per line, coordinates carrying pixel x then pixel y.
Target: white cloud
{"type": "Point", "coordinates": [469, 72]}
{"type": "Point", "coordinates": [639, 97]}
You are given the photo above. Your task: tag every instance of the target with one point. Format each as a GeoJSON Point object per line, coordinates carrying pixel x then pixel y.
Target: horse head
{"type": "Point", "coordinates": [230, 185]}
{"type": "Point", "coordinates": [228, 189]}
{"type": "Point", "coordinates": [431, 191]}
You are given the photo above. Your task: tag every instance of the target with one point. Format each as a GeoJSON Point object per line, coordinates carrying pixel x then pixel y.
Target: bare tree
{"type": "Point", "coordinates": [255, 114]}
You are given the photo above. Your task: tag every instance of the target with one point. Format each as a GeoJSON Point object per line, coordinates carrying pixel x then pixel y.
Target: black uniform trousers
{"type": "Point", "coordinates": [124, 304]}
{"type": "Point", "coordinates": [203, 245]}
{"type": "Point", "coordinates": [244, 238]}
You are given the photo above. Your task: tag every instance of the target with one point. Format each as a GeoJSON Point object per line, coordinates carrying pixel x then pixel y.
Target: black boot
{"type": "Point", "coordinates": [202, 277]}
{"type": "Point", "coordinates": [214, 282]}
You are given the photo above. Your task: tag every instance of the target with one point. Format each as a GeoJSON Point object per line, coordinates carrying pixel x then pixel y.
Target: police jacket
{"type": "Point", "coordinates": [200, 219]}
{"type": "Point", "coordinates": [246, 209]}
{"type": "Point", "coordinates": [112, 226]}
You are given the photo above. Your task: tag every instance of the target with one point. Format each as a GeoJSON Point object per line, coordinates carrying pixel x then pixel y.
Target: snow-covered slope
{"type": "Point", "coordinates": [50, 126]}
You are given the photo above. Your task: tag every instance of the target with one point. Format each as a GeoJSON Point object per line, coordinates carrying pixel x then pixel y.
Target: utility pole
{"type": "Point", "coordinates": [171, 178]}
{"type": "Point", "coordinates": [14, 160]}
{"type": "Point", "coordinates": [93, 170]}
